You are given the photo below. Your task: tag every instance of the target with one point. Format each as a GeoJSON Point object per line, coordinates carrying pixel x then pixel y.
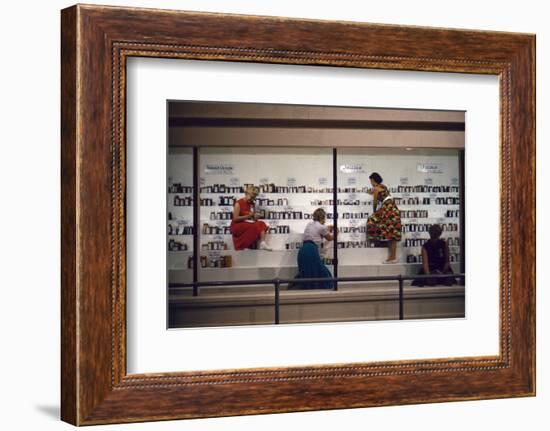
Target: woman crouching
{"type": "Point", "coordinates": [435, 260]}
{"type": "Point", "coordinates": [309, 258]}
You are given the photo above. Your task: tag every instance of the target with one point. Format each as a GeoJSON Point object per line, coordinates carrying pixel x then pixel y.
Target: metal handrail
{"type": "Point", "coordinates": [306, 280]}
{"type": "Point", "coordinates": [278, 281]}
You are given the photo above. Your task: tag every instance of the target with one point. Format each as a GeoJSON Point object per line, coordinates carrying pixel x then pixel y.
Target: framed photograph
{"type": "Point", "coordinates": [325, 214]}
{"type": "Point", "coordinates": [264, 224]}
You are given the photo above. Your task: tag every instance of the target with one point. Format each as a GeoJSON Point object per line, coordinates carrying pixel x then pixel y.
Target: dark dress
{"type": "Point", "coordinates": [436, 262]}
{"type": "Point", "coordinates": [246, 233]}
{"type": "Point", "coordinates": [385, 223]}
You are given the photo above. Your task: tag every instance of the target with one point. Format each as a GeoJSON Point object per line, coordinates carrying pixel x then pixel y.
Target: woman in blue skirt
{"type": "Point", "coordinates": [309, 259]}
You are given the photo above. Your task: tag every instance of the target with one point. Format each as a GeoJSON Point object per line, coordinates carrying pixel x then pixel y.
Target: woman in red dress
{"type": "Point", "coordinates": [245, 226]}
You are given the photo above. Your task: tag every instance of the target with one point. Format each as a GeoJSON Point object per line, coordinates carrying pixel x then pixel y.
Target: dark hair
{"type": "Point", "coordinates": [435, 231]}
{"type": "Point", "coordinates": [376, 177]}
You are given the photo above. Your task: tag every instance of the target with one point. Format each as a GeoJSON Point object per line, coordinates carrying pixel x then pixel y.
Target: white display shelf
{"type": "Point", "coordinates": [252, 257]}
{"type": "Point", "coordinates": [290, 270]}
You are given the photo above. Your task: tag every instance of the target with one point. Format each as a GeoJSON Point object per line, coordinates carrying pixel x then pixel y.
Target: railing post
{"type": "Point", "coordinates": [400, 297]}
{"type": "Point", "coordinates": [335, 216]}
{"type": "Point", "coordinates": [196, 220]}
{"type": "Point", "coordinates": [277, 284]}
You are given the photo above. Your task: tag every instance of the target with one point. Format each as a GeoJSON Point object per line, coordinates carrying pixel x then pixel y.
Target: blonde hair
{"type": "Point", "coordinates": [251, 189]}
{"type": "Point", "coordinates": [319, 214]}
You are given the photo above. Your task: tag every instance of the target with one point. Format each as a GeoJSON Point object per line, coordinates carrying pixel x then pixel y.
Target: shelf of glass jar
{"type": "Point", "coordinates": [417, 258]}
{"type": "Point", "coordinates": [228, 201]}
{"type": "Point", "coordinates": [280, 202]}
{"type": "Point", "coordinates": [413, 216]}
{"type": "Point", "coordinates": [453, 241]}
{"type": "Point", "coordinates": [419, 224]}
{"type": "Point", "coordinates": [272, 188]}
{"type": "Point", "coordinates": [358, 242]}
{"type": "Point", "coordinates": [226, 261]}
{"type": "Point", "coordinates": [179, 188]}
{"type": "Point", "coordinates": [290, 215]}
{"type": "Point", "coordinates": [286, 215]}
{"type": "Point", "coordinates": [178, 201]}
{"type": "Point", "coordinates": [217, 199]}
{"type": "Point", "coordinates": [175, 245]}
{"type": "Point", "coordinates": [222, 226]}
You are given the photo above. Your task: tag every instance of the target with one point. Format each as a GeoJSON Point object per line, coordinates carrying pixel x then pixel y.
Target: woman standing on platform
{"type": "Point", "coordinates": [245, 227]}
{"type": "Point", "coordinates": [385, 222]}
{"type": "Point", "coordinates": [309, 259]}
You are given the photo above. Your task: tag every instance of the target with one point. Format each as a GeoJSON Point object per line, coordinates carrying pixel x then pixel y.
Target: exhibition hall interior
{"type": "Point", "coordinates": [289, 214]}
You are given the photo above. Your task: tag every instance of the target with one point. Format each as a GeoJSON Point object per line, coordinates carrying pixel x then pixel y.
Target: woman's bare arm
{"type": "Point", "coordinates": [236, 211]}
{"type": "Point", "coordinates": [331, 234]}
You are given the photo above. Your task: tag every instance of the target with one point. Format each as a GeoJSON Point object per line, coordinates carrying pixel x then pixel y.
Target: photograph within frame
{"type": "Point", "coordinates": [254, 270]}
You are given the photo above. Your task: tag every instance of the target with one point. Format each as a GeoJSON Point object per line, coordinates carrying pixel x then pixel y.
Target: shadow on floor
{"type": "Point", "coordinates": [52, 411]}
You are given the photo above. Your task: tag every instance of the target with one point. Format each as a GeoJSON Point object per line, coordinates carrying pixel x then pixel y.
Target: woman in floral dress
{"type": "Point", "coordinates": [385, 222]}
